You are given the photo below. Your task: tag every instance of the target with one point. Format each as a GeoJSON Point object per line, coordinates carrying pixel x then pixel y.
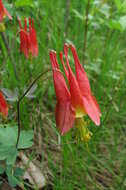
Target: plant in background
{"type": "Point", "coordinates": [28, 39]}
{"type": "Point", "coordinates": [16, 140]}
{"type": "Point", "coordinates": [4, 12]}
{"type": "Point", "coordinates": [10, 143]}
{"type": "Point", "coordinates": [77, 101]}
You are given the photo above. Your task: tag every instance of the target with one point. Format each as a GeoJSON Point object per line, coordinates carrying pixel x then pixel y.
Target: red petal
{"type": "Point", "coordinates": [82, 78]}
{"type": "Point", "coordinates": [76, 97]}
{"type": "Point", "coordinates": [24, 41]}
{"type": "Point", "coordinates": [97, 105]}
{"type": "Point", "coordinates": [92, 109]}
{"type": "Point", "coordinates": [25, 25]}
{"type": "Point", "coordinates": [3, 105]}
{"type": "Point", "coordinates": [1, 10]}
{"type": "Point", "coordinates": [20, 24]}
{"type": "Point", "coordinates": [62, 92]}
{"type": "Point", "coordinates": [90, 103]}
{"type": "Point", "coordinates": [65, 116]}
{"type": "Point", "coordinates": [62, 61]}
{"type": "Point", "coordinates": [53, 59]}
{"type": "Point", "coordinates": [33, 38]}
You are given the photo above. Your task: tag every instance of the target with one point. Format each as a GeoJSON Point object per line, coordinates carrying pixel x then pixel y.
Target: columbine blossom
{"type": "Point", "coordinates": [3, 105]}
{"type": "Point", "coordinates": [4, 12]}
{"type": "Point", "coordinates": [75, 102]}
{"type": "Point", "coordinates": [28, 39]}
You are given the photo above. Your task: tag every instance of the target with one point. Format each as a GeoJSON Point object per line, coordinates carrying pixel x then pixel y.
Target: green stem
{"type": "Point", "coordinates": [22, 97]}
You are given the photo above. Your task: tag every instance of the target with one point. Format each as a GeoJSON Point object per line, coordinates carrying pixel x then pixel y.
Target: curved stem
{"type": "Point", "coordinates": [22, 97]}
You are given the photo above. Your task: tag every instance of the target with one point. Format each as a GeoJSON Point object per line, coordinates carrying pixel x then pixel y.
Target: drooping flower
{"type": "Point", "coordinates": [3, 105]}
{"type": "Point", "coordinates": [75, 102]}
{"type": "Point", "coordinates": [33, 38]}
{"type": "Point", "coordinates": [4, 12]}
{"type": "Point", "coordinates": [28, 39]}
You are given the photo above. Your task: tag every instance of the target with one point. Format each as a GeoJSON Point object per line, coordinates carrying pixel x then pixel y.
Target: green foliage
{"type": "Point", "coordinates": [102, 164]}
{"type": "Point", "coordinates": [26, 139]}
{"type": "Point", "coordinates": [9, 152]}
{"type": "Point", "coordinates": [14, 175]}
{"type": "Point", "coordinates": [122, 21]}
{"type": "Point", "coordinates": [23, 3]}
{"type": "Point", "coordinates": [8, 139]}
{"type": "Point", "coordinates": [121, 5]}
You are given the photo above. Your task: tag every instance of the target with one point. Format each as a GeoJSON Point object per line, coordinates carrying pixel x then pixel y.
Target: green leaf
{"type": "Point", "coordinates": [4, 151]}
{"type": "Point", "coordinates": [8, 139]}
{"type": "Point", "coordinates": [26, 138]}
{"type": "Point", "coordinates": [12, 154]}
{"type": "Point", "coordinates": [13, 181]}
{"type": "Point", "coordinates": [8, 153]}
{"type": "Point", "coordinates": [121, 6]}
{"type": "Point", "coordinates": [122, 21]}
{"type": "Point", "coordinates": [19, 172]}
{"type": "Point", "coordinates": [22, 3]}
{"type": "Point", "coordinates": [115, 25]}
{"type": "Point", "coordinates": [77, 14]}
{"type": "Point", "coordinates": [118, 4]}
{"type": "Point", "coordinates": [10, 134]}
{"type": "Point", "coordinates": [124, 6]}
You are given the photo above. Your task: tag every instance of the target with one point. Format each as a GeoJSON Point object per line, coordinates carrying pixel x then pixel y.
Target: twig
{"type": "Point", "coordinates": [86, 28]}
{"type": "Point", "coordinates": [22, 97]}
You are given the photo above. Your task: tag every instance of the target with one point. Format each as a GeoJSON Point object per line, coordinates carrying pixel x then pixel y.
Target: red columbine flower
{"type": "Point", "coordinates": [77, 101]}
{"type": "Point", "coordinates": [28, 39]}
{"type": "Point", "coordinates": [4, 12]}
{"type": "Point", "coordinates": [3, 105]}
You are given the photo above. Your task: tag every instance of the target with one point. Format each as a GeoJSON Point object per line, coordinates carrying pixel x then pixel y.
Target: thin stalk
{"type": "Point", "coordinates": [86, 28]}
{"type": "Point", "coordinates": [22, 97]}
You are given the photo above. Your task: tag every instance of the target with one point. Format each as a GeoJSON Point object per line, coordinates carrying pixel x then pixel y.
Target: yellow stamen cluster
{"type": "Point", "coordinates": [2, 27]}
{"type": "Point", "coordinates": [30, 55]}
{"type": "Point", "coordinates": [83, 133]}
{"type": "Point", "coordinates": [80, 112]}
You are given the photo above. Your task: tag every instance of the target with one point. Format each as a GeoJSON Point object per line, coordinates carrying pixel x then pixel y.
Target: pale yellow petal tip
{"type": "Point", "coordinates": [53, 51]}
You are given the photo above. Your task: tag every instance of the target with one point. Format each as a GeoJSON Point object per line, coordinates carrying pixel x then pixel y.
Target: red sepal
{"type": "Point", "coordinates": [3, 105]}
{"type": "Point", "coordinates": [65, 116]}
{"type": "Point", "coordinates": [76, 97]}
{"type": "Point", "coordinates": [33, 38]}
{"type": "Point", "coordinates": [90, 102]}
